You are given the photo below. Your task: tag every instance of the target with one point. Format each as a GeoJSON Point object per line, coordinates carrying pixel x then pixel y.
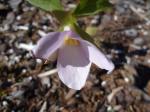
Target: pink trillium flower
{"type": "Point", "coordinates": [74, 56]}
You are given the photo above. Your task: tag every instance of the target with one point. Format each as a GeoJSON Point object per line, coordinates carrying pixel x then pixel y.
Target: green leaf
{"type": "Point", "coordinates": [48, 5]}
{"type": "Point", "coordinates": [88, 7]}
{"type": "Point", "coordinates": [91, 30]}
{"type": "Point", "coordinates": [82, 33]}
{"type": "Point", "coordinates": [64, 17]}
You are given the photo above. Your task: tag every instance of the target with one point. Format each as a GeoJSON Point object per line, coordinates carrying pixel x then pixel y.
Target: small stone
{"type": "Point", "coordinates": [25, 28]}
{"type": "Point", "coordinates": [109, 109]}
{"type": "Point", "coordinates": [30, 78]}
{"type": "Point", "coordinates": [115, 17]}
{"type": "Point", "coordinates": [94, 21]}
{"type": "Point", "coordinates": [5, 103]}
{"type": "Point", "coordinates": [145, 33]}
{"type": "Point", "coordinates": [138, 41]}
{"type": "Point", "coordinates": [9, 19]}
{"type": "Point", "coordinates": [71, 6]}
{"type": "Point", "coordinates": [126, 80]}
{"type": "Point", "coordinates": [28, 55]}
{"type": "Point", "coordinates": [128, 59]}
{"type": "Point", "coordinates": [45, 27]}
{"type": "Point", "coordinates": [14, 3]}
{"type": "Point", "coordinates": [24, 71]}
{"type": "Point", "coordinates": [17, 59]}
{"type": "Point", "coordinates": [46, 81]}
{"type": "Point", "coordinates": [105, 19]}
{"type": "Point", "coordinates": [25, 46]}
{"type": "Point", "coordinates": [39, 61]}
{"type": "Point", "coordinates": [41, 33]}
{"type": "Point", "coordinates": [10, 51]}
{"type": "Point", "coordinates": [140, 26]}
{"type": "Point", "coordinates": [104, 83]}
{"type": "Point", "coordinates": [131, 32]}
{"type": "Point", "coordinates": [18, 17]}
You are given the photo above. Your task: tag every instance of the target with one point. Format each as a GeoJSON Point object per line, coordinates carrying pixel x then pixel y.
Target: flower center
{"type": "Point", "coordinates": [71, 41]}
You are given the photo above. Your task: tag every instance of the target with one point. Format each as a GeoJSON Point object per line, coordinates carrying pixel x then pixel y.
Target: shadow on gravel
{"type": "Point", "coordinates": [143, 76]}
{"type": "Point", "coordinates": [120, 52]}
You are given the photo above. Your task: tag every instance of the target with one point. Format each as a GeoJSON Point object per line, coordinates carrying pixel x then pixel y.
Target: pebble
{"type": "Point", "coordinates": [10, 51]}
{"type": "Point", "coordinates": [138, 41]}
{"type": "Point", "coordinates": [4, 28]}
{"type": "Point", "coordinates": [14, 4]}
{"type": "Point", "coordinates": [105, 19]}
{"type": "Point", "coordinates": [27, 80]}
{"type": "Point", "coordinates": [128, 59]}
{"type": "Point", "coordinates": [95, 20]}
{"type": "Point", "coordinates": [131, 32]}
{"type": "Point", "coordinates": [39, 61]}
{"type": "Point", "coordinates": [115, 17]}
{"type": "Point", "coordinates": [145, 32]}
{"type": "Point", "coordinates": [116, 51]}
{"type": "Point", "coordinates": [104, 83]}
{"type": "Point", "coordinates": [24, 71]}
{"type": "Point", "coordinates": [9, 19]}
{"type": "Point", "coordinates": [25, 28]}
{"type": "Point", "coordinates": [18, 17]}
{"type": "Point", "coordinates": [17, 59]}
{"type": "Point", "coordinates": [46, 81]}
{"type": "Point", "coordinates": [26, 9]}
{"type": "Point", "coordinates": [45, 28]}
{"type": "Point", "coordinates": [30, 78]}
{"type": "Point", "coordinates": [120, 9]}
{"type": "Point", "coordinates": [28, 55]}
{"type": "Point", "coordinates": [71, 6]}
{"type": "Point", "coordinates": [6, 58]}
{"type": "Point", "coordinates": [140, 26]}
{"type": "Point", "coordinates": [41, 33]}
{"type": "Point", "coordinates": [25, 46]}
{"type": "Point", "coordinates": [126, 79]}
{"type": "Point", "coordinates": [5, 103]}
{"type": "Point", "coordinates": [109, 109]}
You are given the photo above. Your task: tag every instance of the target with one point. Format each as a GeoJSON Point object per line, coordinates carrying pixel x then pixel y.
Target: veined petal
{"type": "Point", "coordinates": [97, 57]}
{"type": "Point", "coordinates": [47, 45]}
{"type": "Point", "coordinates": [73, 66]}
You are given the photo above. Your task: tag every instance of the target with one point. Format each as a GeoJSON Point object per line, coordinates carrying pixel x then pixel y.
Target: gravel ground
{"type": "Point", "coordinates": [123, 34]}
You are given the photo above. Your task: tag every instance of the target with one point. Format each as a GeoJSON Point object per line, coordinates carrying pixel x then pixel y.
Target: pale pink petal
{"type": "Point", "coordinates": [73, 66]}
{"type": "Point", "coordinates": [97, 57]}
{"type": "Point", "coordinates": [93, 53]}
{"type": "Point", "coordinates": [47, 45]}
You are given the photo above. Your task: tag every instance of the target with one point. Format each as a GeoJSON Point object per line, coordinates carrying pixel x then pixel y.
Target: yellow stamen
{"type": "Point", "coordinates": [71, 41]}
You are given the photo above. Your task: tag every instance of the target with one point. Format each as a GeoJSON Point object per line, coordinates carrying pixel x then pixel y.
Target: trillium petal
{"type": "Point", "coordinates": [97, 57]}
{"type": "Point", "coordinates": [73, 66]}
{"type": "Point", "coordinates": [47, 45]}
